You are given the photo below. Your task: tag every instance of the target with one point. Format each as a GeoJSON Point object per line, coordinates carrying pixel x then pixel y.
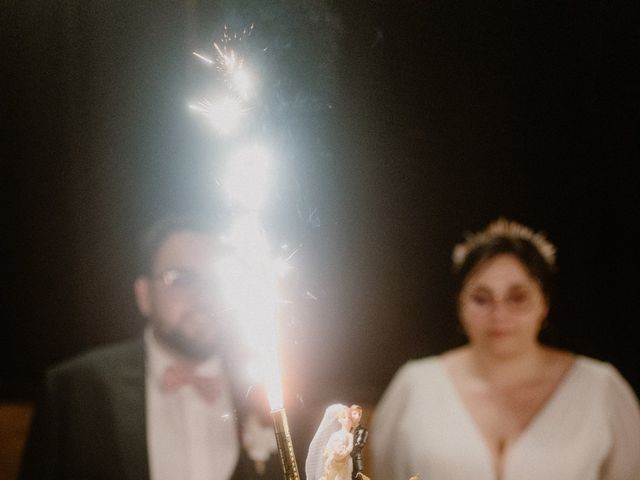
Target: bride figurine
{"type": "Point", "coordinates": [329, 455]}
{"type": "Point", "coordinates": [330, 451]}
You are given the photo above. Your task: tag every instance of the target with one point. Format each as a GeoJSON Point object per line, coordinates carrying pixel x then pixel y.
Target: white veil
{"type": "Point", "coordinates": [314, 466]}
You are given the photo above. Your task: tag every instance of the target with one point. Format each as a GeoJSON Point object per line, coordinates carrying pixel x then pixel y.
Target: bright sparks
{"type": "Point", "coordinates": [203, 58]}
{"type": "Point", "coordinates": [225, 113]}
{"type": "Point", "coordinates": [237, 77]}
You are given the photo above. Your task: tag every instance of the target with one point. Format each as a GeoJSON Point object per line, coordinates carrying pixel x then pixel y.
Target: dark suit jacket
{"type": "Point", "coordinates": [91, 421]}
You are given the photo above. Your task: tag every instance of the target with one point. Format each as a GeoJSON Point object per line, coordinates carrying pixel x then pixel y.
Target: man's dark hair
{"type": "Point", "coordinates": [152, 239]}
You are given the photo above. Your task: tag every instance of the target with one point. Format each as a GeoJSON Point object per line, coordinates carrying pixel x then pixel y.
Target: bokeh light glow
{"type": "Point", "coordinates": [248, 179]}
{"type": "Point", "coordinates": [224, 113]}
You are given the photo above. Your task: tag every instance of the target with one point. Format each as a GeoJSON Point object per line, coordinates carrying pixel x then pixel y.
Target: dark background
{"type": "Point", "coordinates": [403, 125]}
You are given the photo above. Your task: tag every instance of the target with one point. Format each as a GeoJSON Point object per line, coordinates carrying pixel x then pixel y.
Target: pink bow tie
{"type": "Point", "coordinates": [176, 377]}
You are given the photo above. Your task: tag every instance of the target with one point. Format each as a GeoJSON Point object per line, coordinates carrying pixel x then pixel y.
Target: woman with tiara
{"type": "Point", "coordinates": [504, 406]}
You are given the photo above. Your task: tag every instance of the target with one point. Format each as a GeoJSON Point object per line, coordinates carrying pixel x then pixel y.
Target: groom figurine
{"type": "Point", "coordinates": [360, 435]}
{"type": "Point", "coordinates": [166, 405]}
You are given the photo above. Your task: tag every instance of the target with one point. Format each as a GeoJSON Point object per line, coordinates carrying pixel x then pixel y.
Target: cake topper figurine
{"type": "Point", "coordinates": [335, 453]}
{"type": "Point", "coordinates": [360, 435]}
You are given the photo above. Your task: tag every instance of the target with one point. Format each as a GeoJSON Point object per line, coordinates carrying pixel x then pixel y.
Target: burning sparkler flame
{"type": "Point", "coordinates": [253, 280]}
{"type": "Point", "coordinates": [250, 281]}
{"type": "Point", "coordinates": [251, 285]}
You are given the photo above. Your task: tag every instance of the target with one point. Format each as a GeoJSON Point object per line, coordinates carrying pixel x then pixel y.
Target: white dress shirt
{"type": "Point", "coordinates": [187, 438]}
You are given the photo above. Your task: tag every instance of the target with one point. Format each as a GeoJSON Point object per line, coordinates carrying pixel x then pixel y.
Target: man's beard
{"type": "Point", "coordinates": [187, 347]}
{"type": "Point", "coordinates": [194, 347]}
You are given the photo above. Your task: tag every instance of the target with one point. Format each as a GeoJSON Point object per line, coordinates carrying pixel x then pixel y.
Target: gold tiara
{"type": "Point", "coordinates": [506, 229]}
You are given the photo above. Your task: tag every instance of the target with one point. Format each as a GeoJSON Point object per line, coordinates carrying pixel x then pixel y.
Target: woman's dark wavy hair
{"type": "Point", "coordinates": [506, 237]}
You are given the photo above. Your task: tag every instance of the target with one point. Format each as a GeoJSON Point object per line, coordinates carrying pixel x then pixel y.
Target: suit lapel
{"type": "Point", "coordinates": [130, 413]}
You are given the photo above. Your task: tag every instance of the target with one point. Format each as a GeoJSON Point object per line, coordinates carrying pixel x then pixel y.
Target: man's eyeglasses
{"type": "Point", "coordinates": [186, 280]}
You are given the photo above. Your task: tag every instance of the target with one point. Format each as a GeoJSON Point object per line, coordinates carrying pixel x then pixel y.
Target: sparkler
{"type": "Point", "coordinates": [256, 294]}
{"type": "Point", "coordinates": [250, 283]}
{"type": "Point", "coordinates": [285, 447]}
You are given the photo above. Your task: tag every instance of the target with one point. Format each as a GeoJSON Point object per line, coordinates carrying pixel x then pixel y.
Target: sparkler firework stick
{"type": "Point", "coordinates": [251, 282]}
{"type": "Point", "coordinates": [247, 184]}
{"type": "Point", "coordinates": [285, 446]}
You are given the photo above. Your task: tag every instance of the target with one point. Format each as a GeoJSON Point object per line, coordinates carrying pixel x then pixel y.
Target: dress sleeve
{"type": "Point", "coordinates": [623, 462]}
{"type": "Point", "coordinates": [387, 444]}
